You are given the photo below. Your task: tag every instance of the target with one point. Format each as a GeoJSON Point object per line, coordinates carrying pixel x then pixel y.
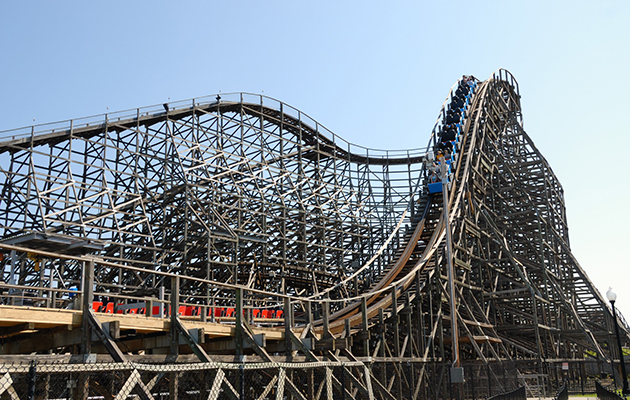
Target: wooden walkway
{"type": "Point", "coordinates": [33, 329]}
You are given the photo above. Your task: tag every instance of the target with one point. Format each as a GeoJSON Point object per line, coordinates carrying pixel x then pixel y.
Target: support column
{"type": "Point", "coordinates": [174, 314]}
{"type": "Point", "coordinates": [174, 351]}
{"type": "Point", "coordinates": [238, 336]}
{"type": "Point", "coordinates": [288, 324]}
{"type": "Point", "coordinates": [87, 297]}
{"type": "Point", "coordinates": [364, 327]}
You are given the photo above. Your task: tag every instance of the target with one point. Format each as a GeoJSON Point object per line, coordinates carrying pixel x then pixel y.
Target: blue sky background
{"type": "Point", "coordinates": [374, 73]}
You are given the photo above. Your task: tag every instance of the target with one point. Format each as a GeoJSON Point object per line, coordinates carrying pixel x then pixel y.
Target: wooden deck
{"type": "Point", "coordinates": [37, 329]}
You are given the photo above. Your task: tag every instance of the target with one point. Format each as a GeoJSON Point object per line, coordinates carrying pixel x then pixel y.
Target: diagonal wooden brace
{"type": "Point", "coordinates": [196, 348]}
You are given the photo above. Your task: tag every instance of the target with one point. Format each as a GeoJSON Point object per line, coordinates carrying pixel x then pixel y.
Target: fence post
{"type": "Point", "coordinates": [32, 378]}
{"type": "Point", "coordinates": [471, 373]}
{"type": "Point", "coordinates": [241, 369]}
{"type": "Point", "coordinates": [343, 382]}
{"type": "Point", "coordinates": [489, 380]}
{"type": "Point", "coordinates": [582, 378]}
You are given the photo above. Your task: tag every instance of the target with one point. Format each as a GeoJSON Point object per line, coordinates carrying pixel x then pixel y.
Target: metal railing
{"type": "Point", "coordinates": [225, 98]}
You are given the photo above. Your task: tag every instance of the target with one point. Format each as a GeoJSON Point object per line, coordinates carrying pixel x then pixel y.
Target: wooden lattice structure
{"type": "Point", "coordinates": [278, 240]}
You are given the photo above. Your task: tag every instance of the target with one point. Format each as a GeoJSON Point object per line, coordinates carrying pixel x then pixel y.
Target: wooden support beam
{"type": "Point", "coordinates": [288, 326]}
{"type": "Point", "coordinates": [104, 336]}
{"type": "Point", "coordinates": [192, 343]}
{"type": "Point", "coordinates": [238, 334]}
{"type": "Point", "coordinates": [88, 297]}
{"type": "Point", "coordinates": [385, 393]}
{"type": "Point", "coordinates": [395, 322]}
{"type": "Point", "coordinates": [113, 349]}
{"type": "Point", "coordinates": [258, 348]}
{"type": "Point", "coordinates": [333, 343]}
{"type": "Point", "coordinates": [326, 319]}
{"type": "Point", "coordinates": [365, 327]}
{"type": "Point", "coordinates": [174, 331]}
{"type": "Point", "coordinates": [296, 341]}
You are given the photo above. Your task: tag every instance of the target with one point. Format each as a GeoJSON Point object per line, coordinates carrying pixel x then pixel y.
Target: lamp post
{"type": "Point", "coordinates": [612, 296]}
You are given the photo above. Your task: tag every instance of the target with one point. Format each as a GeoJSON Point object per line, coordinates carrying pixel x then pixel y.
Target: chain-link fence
{"type": "Point", "coordinates": [376, 379]}
{"type": "Point", "coordinates": [242, 381]}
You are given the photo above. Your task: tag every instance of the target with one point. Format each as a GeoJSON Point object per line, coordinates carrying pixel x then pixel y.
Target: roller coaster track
{"type": "Point", "coordinates": [582, 314]}
{"type": "Point", "coordinates": [243, 202]}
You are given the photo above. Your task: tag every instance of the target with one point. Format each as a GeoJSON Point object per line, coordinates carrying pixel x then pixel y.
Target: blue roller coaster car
{"type": "Point", "coordinates": [435, 187]}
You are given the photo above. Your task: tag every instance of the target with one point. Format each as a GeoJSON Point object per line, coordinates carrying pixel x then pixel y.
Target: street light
{"type": "Point", "coordinates": [612, 296]}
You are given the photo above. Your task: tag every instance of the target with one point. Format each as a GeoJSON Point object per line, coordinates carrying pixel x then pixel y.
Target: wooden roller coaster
{"type": "Point", "coordinates": [237, 229]}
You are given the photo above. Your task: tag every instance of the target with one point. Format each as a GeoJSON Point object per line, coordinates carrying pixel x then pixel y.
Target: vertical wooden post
{"type": "Point", "coordinates": [326, 318]}
{"type": "Point", "coordinates": [32, 381]}
{"type": "Point", "coordinates": [347, 328]}
{"type": "Point", "coordinates": [381, 323]}
{"type": "Point", "coordinates": [203, 312]}
{"type": "Point", "coordinates": [50, 302]}
{"type": "Point", "coordinates": [410, 366]}
{"type": "Point", "coordinates": [288, 324]}
{"type": "Point", "coordinates": [395, 322]}
{"type": "Point", "coordinates": [238, 336]}
{"type": "Point", "coordinates": [87, 298]}
{"type": "Point", "coordinates": [174, 315]}
{"type": "Point", "coordinates": [174, 351]}
{"type": "Point", "coordinates": [310, 390]}
{"type": "Point", "coordinates": [42, 269]}
{"type": "Point", "coordinates": [409, 308]}
{"type": "Point", "coordinates": [309, 312]}
{"type": "Point", "coordinates": [173, 386]}
{"type": "Point", "coordinates": [148, 308]}
{"type": "Point", "coordinates": [161, 296]}
{"type": "Point", "coordinates": [420, 316]}
{"type": "Point", "coordinates": [14, 275]}
{"type": "Point", "coordinates": [53, 294]}
{"type": "Point", "coordinates": [364, 327]}
{"type": "Point", "coordinates": [472, 381]}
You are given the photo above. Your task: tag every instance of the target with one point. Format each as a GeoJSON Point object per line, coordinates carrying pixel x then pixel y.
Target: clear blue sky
{"type": "Point", "coordinates": [376, 73]}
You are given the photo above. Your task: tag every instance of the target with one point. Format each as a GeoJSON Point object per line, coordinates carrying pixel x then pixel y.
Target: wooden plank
{"type": "Point", "coordinates": [41, 317]}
